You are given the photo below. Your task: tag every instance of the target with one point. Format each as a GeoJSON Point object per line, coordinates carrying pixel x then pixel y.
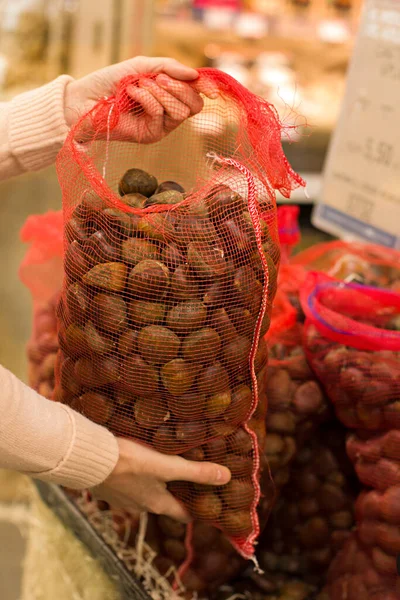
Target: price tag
{"type": "Point", "coordinates": [361, 186]}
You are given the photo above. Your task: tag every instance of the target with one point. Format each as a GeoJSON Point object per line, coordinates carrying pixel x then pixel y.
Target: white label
{"type": "Point", "coordinates": [361, 186]}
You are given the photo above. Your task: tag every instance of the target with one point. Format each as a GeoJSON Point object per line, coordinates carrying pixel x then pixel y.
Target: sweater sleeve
{"type": "Point", "coordinates": [32, 128]}
{"type": "Point", "coordinates": [49, 441]}
{"type": "Point", "coordinates": [44, 439]}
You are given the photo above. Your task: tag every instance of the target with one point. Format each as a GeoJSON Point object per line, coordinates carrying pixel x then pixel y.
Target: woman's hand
{"type": "Point", "coordinates": [165, 102]}
{"type": "Point", "coordinates": [138, 481]}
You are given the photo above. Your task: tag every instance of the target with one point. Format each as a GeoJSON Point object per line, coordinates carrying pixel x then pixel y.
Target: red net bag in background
{"type": "Point", "coordinates": [297, 404]}
{"type": "Point", "coordinates": [288, 229]}
{"type": "Point", "coordinates": [168, 286]}
{"type": "Point", "coordinates": [369, 561]}
{"type": "Point", "coordinates": [291, 277]}
{"type": "Point", "coordinates": [353, 344]}
{"type": "Point", "coordinates": [353, 261]}
{"type": "Point", "coordinates": [355, 573]}
{"type": "Point", "coordinates": [42, 272]}
{"type": "Point", "coordinates": [354, 348]}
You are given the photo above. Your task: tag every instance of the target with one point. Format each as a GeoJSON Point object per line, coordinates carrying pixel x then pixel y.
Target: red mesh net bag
{"type": "Point", "coordinates": [214, 560]}
{"type": "Point", "coordinates": [291, 276]}
{"type": "Point", "coordinates": [353, 261]}
{"type": "Point", "coordinates": [169, 283]}
{"type": "Point", "coordinates": [42, 272]}
{"type": "Point", "coordinates": [288, 229]}
{"type": "Point", "coordinates": [367, 566]}
{"type": "Point", "coordinates": [353, 343]}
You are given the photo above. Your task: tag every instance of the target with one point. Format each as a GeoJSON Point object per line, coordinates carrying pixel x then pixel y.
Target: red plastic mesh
{"type": "Point", "coordinates": [42, 268]}
{"type": "Point", "coordinates": [354, 347]}
{"type": "Point", "coordinates": [214, 560]}
{"type": "Point", "coordinates": [359, 572]}
{"type": "Point", "coordinates": [164, 306]}
{"type": "Point", "coordinates": [348, 261]}
{"type": "Point", "coordinates": [283, 317]}
{"type": "Point", "coordinates": [42, 272]}
{"type": "Point", "coordinates": [353, 344]}
{"type": "Point", "coordinates": [367, 263]}
{"type": "Point", "coordinates": [288, 229]}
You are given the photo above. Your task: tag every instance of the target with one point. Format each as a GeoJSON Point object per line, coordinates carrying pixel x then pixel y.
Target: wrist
{"type": "Point", "coordinates": [123, 463]}
{"type": "Point", "coordinates": [73, 103]}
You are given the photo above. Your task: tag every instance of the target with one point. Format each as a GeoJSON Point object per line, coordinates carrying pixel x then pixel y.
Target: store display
{"type": "Point", "coordinates": [309, 479]}
{"type": "Point", "coordinates": [171, 313]}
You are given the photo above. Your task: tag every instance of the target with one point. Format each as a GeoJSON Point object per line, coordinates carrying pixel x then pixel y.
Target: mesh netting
{"type": "Point", "coordinates": [168, 285]}
{"type": "Point", "coordinates": [288, 229]}
{"type": "Point", "coordinates": [314, 516]}
{"type": "Point", "coordinates": [364, 263]}
{"type": "Point", "coordinates": [297, 405]}
{"type": "Point", "coordinates": [348, 261]}
{"type": "Point", "coordinates": [153, 547]}
{"type": "Point", "coordinates": [42, 272]}
{"type": "Point", "coordinates": [353, 344]}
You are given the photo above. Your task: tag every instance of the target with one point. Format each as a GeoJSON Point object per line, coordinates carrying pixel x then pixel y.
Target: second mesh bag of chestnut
{"type": "Point", "coordinates": [170, 272]}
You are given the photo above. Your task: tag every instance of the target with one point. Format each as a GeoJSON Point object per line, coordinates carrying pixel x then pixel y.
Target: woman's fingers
{"type": "Point", "coordinates": [170, 66]}
{"type": "Point", "coordinates": [183, 92]}
{"type": "Point", "coordinates": [205, 86]}
{"type": "Point", "coordinates": [151, 121]}
{"type": "Point", "coordinates": [148, 102]}
{"type": "Point", "coordinates": [173, 108]}
{"type": "Point", "coordinates": [175, 468]}
{"type": "Point", "coordinates": [167, 505]}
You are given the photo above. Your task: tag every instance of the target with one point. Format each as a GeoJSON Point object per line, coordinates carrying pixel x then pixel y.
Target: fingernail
{"type": "Point", "coordinates": [220, 475]}
{"type": "Point", "coordinates": [223, 475]}
{"type": "Point", "coordinates": [213, 95]}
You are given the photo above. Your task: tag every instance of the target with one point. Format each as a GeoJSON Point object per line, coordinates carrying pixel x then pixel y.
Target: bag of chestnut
{"type": "Point", "coordinates": [170, 272]}
{"type": "Point", "coordinates": [359, 262]}
{"type": "Point", "coordinates": [352, 341]}
{"type": "Point", "coordinates": [41, 271]}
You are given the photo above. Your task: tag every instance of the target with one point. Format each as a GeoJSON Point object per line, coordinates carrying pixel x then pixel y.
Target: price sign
{"type": "Point", "coordinates": [361, 186]}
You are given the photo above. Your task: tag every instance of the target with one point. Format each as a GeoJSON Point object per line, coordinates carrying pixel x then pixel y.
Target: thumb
{"type": "Point", "coordinates": [206, 473]}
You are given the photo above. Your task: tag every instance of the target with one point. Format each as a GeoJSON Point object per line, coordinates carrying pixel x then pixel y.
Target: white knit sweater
{"type": "Point", "coordinates": [44, 439]}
